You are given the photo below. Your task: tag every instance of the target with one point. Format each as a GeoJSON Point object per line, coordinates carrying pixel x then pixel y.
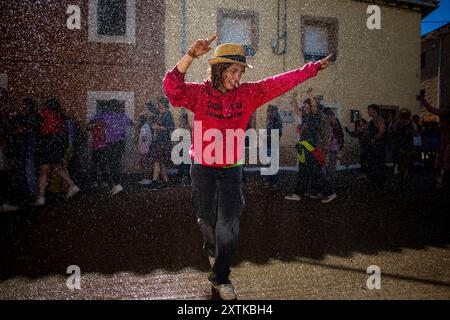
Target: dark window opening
{"type": "Point", "coordinates": [112, 17]}
{"type": "Point", "coordinates": [110, 105]}
{"type": "Point", "coordinates": [319, 37]}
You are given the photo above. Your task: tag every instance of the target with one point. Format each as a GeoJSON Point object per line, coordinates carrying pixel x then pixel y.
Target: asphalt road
{"type": "Point", "coordinates": [145, 244]}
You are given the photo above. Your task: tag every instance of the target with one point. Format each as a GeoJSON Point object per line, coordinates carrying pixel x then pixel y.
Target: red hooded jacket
{"type": "Point", "coordinates": [231, 110]}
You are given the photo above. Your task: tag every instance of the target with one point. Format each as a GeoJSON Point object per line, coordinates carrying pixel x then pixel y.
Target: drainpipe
{"type": "Point", "coordinates": [439, 74]}
{"type": "Point", "coordinates": [182, 27]}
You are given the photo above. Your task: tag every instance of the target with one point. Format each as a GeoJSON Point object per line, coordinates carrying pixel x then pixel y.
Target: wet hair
{"type": "Point", "coordinates": [374, 107]}
{"type": "Point", "coordinates": [54, 105]}
{"type": "Point", "coordinates": [215, 73]}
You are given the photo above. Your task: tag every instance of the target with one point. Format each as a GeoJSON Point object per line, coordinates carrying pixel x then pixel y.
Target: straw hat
{"type": "Point", "coordinates": [229, 53]}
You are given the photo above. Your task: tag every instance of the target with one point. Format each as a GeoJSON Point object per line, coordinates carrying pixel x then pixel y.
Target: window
{"type": "Point", "coordinates": [319, 37]}
{"type": "Point", "coordinates": [423, 60]}
{"type": "Point", "coordinates": [100, 101]}
{"type": "Point", "coordinates": [238, 26]}
{"type": "Point", "coordinates": [112, 17]}
{"type": "Point", "coordinates": [112, 21]}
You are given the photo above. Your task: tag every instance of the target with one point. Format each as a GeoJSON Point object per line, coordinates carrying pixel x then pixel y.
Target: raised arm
{"type": "Point", "coordinates": [427, 106]}
{"type": "Point", "coordinates": [272, 87]}
{"type": "Point", "coordinates": [180, 93]}
{"type": "Point", "coordinates": [294, 105]}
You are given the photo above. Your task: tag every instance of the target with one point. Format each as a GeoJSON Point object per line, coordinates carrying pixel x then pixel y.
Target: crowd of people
{"type": "Point", "coordinates": [39, 142]}
{"type": "Point", "coordinates": [392, 142]}
{"type": "Point", "coordinates": [42, 148]}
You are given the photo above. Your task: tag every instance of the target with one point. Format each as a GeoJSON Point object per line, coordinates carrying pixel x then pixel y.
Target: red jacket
{"type": "Point", "coordinates": [231, 110]}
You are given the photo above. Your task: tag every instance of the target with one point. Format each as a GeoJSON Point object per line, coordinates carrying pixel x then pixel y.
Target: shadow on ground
{"type": "Point", "coordinates": [143, 230]}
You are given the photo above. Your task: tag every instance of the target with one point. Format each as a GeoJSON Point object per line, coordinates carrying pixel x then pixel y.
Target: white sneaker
{"type": "Point", "coordinates": [226, 291]}
{"type": "Point", "coordinates": [329, 198]}
{"type": "Point", "coordinates": [116, 189]}
{"type": "Point", "coordinates": [8, 208]}
{"type": "Point", "coordinates": [293, 196]}
{"type": "Point", "coordinates": [212, 261]}
{"type": "Point", "coordinates": [40, 201]}
{"type": "Point", "coordinates": [145, 182]}
{"type": "Point", "coordinates": [72, 191]}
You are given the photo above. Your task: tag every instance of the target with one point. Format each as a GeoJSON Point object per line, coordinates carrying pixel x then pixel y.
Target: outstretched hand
{"type": "Point", "coordinates": [201, 46]}
{"type": "Point", "coordinates": [325, 62]}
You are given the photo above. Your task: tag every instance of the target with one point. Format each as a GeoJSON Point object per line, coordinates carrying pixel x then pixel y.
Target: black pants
{"type": "Point", "coordinates": [311, 178]}
{"type": "Point", "coordinates": [99, 164]}
{"type": "Point", "coordinates": [218, 200]}
{"type": "Point", "coordinates": [113, 153]}
{"type": "Point", "coordinates": [376, 165]}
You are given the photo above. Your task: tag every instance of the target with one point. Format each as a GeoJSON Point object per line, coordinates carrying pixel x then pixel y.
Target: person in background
{"type": "Point", "coordinates": [376, 148]}
{"type": "Point", "coordinates": [273, 122]}
{"type": "Point", "coordinates": [336, 142]}
{"type": "Point", "coordinates": [184, 167]}
{"type": "Point", "coordinates": [144, 142]}
{"type": "Point", "coordinates": [402, 139]}
{"type": "Point", "coordinates": [162, 144]}
{"type": "Point", "coordinates": [418, 140]}
{"type": "Point", "coordinates": [311, 180]}
{"type": "Point", "coordinates": [5, 182]}
{"type": "Point", "coordinates": [53, 140]}
{"type": "Point", "coordinates": [360, 132]}
{"type": "Point", "coordinates": [116, 123]}
{"type": "Point", "coordinates": [34, 123]}
{"type": "Point", "coordinates": [297, 109]}
{"type": "Point", "coordinates": [99, 156]}
{"type": "Point", "coordinates": [443, 152]}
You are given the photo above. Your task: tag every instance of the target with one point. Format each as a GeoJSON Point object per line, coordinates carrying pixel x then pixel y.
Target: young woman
{"type": "Point", "coordinates": [376, 150]}
{"type": "Point", "coordinates": [53, 142]}
{"type": "Point", "coordinates": [144, 142]}
{"type": "Point", "coordinates": [443, 151]}
{"type": "Point", "coordinates": [222, 102]}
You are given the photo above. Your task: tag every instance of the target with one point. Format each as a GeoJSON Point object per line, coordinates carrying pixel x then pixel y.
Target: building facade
{"type": "Point", "coordinates": [120, 49]}
{"type": "Point", "coordinates": [379, 66]}
{"type": "Point", "coordinates": [435, 67]}
{"type": "Point", "coordinates": [85, 53]}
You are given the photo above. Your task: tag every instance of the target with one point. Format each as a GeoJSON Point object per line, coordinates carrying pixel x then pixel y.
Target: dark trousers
{"type": "Point", "coordinates": [311, 178]}
{"type": "Point", "coordinates": [218, 201]}
{"type": "Point", "coordinates": [376, 165]}
{"type": "Point", "coordinates": [99, 164]}
{"type": "Point", "coordinates": [113, 153]}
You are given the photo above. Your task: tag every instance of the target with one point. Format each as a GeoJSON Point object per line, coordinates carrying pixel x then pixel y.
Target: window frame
{"type": "Point", "coordinates": [252, 16]}
{"type": "Point", "coordinates": [332, 25]}
{"type": "Point", "coordinates": [93, 96]}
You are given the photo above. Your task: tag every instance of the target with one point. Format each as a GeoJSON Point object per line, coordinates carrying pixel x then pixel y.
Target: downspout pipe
{"type": "Point", "coordinates": [182, 27]}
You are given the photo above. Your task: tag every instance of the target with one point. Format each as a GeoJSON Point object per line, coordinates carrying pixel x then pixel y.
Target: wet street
{"type": "Point", "coordinates": [145, 244]}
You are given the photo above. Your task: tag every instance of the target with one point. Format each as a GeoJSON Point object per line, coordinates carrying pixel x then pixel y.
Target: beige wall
{"type": "Point", "coordinates": [373, 66]}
